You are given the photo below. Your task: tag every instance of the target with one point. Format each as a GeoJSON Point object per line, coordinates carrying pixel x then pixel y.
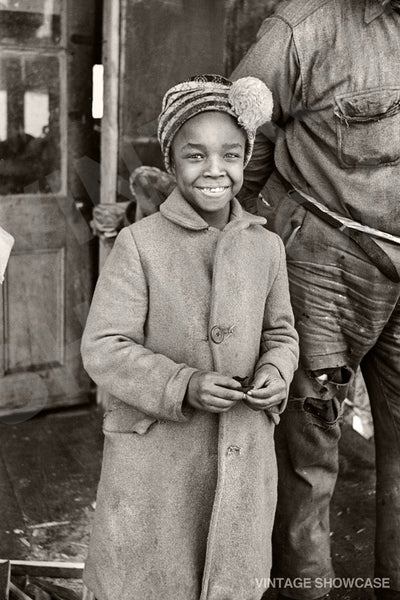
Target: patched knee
{"type": "Point", "coordinates": [333, 382]}
{"type": "Point", "coordinates": [322, 384]}
{"type": "Point", "coordinates": [325, 410]}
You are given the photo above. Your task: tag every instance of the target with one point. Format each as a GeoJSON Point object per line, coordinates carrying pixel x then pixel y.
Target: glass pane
{"type": "Point", "coordinates": [30, 21]}
{"type": "Point", "coordinates": [29, 124]}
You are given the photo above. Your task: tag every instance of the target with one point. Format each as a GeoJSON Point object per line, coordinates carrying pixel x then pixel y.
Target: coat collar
{"type": "Point", "coordinates": [178, 210]}
{"type": "Point", "coordinates": [374, 9]}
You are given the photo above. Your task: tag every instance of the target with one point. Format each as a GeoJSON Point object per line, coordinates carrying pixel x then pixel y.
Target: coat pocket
{"type": "Point", "coordinates": [368, 128]}
{"type": "Point", "coordinates": [127, 420]}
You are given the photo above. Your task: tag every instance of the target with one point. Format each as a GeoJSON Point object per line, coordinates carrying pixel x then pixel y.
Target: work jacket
{"type": "Point", "coordinates": [333, 68]}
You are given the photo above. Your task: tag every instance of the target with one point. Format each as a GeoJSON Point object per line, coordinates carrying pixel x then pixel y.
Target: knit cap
{"type": "Point", "coordinates": [248, 100]}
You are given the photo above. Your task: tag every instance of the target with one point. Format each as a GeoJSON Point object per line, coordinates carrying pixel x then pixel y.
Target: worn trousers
{"type": "Point", "coordinates": [347, 314]}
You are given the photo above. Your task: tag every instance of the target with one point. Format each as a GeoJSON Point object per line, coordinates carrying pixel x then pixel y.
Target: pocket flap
{"type": "Point", "coordinates": [371, 104]}
{"type": "Point", "coordinates": [127, 420]}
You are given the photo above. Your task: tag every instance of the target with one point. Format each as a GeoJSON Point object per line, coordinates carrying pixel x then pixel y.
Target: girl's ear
{"type": "Point", "coordinates": [172, 165]}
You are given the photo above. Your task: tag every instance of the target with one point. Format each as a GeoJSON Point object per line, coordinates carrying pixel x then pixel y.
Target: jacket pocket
{"type": "Point", "coordinates": [126, 420]}
{"type": "Point", "coordinates": [368, 128]}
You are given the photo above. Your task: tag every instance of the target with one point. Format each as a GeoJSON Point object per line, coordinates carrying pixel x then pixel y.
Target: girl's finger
{"type": "Point", "coordinates": [227, 382]}
{"type": "Point", "coordinates": [219, 402]}
{"type": "Point", "coordinates": [227, 393]}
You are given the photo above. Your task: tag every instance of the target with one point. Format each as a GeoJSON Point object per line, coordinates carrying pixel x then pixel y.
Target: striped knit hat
{"type": "Point", "coordinates": [248, 100]}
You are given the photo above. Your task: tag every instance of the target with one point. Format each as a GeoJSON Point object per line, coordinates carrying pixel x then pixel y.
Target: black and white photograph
{"type": "Point", "coordinates": [199, 299]}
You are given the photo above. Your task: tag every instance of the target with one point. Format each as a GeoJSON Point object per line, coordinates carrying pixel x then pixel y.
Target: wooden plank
{"type": "Point", "coordinates": [62, 570]}
{"type": "Point", "coordinates": [109, 124]}
{"type": "Point", "coordinates": [45, 349]}
{"type": "Point", "coordinates": [17, 593]}
{"type": "Point", "coordinates": [87, 594]}
{"type": "Point", "coordinates": [5, 570]}
{"type": "Point", "coordinates": [36, 592]}
{"type": "Point", "coordinates": [42, 589]}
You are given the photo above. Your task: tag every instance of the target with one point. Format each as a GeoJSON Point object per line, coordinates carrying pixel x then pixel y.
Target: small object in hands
{"type": "Point", "coordinates": [245, 384]}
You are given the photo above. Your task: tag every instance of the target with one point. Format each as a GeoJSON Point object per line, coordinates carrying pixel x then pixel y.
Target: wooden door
{"type": "Point", "coordinates": [45, 79]}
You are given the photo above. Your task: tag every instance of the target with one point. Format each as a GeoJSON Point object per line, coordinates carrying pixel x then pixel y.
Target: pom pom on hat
{"type": "Point", "coordinates": [248, 100]}
{"type": "Point", "coordinates": [252, 101]}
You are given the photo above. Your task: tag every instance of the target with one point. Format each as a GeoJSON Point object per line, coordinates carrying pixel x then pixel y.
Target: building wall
{"type": "Point", "coordinates": [164, 42]}
{"type": "Point", "coordinates": [242, 20]}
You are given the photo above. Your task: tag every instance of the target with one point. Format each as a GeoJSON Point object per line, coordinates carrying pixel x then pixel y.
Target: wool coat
{"type": "Point", "coordinates": [186, 498]}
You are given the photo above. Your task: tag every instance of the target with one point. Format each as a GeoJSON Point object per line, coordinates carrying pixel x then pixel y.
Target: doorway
{"type": "Point", "coordinates": [46, 58]}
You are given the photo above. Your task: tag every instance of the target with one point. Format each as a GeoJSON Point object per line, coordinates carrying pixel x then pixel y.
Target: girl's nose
{"type": "Point", "coordinates": [214, 166]}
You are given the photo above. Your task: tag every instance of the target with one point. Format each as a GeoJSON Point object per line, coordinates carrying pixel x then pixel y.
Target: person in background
{"type": "Point", "coordinates": [192, 333]}
{"type": "Point", "coordinates": [149, 187]}
{"type": "Point", "coordinates": [330, 164]}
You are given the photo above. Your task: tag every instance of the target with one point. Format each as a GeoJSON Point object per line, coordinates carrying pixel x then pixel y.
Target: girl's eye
{"type": "Point", "coordinates": [196, 156]}
{"type": "Point", "coordinates": [233, 155]}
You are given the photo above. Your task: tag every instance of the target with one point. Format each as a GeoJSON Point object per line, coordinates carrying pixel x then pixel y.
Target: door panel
{"type": "Point", "coordinates": [46, 293]}
{"type": "Point", "coordinates": [35, 330]}
{"type": "Point", "coordinates": [44, 302]}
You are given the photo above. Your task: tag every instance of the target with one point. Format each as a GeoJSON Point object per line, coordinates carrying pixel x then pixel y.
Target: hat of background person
{"type": "Point", "coordinates": [248, 100]}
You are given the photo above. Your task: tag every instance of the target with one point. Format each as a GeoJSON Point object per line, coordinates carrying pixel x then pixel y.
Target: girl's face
{"type": "Point", "coordinates": [207, 156]}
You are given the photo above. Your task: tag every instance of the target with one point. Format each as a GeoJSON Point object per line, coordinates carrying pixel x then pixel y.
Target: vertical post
{"type": "Point", "coordinates": [5, 571]}
{"type": "Point", "coordinates": [109, 125]}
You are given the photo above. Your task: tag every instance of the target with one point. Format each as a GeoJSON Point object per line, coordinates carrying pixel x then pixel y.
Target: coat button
{"type": "Point", "coordinates": [217, 335]}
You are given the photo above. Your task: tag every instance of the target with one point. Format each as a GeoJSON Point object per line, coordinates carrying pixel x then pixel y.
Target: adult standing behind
{"type": "Point", "coordinates": [332, 169]}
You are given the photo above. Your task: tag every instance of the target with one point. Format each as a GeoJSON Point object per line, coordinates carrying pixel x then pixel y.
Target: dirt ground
{"type": "Point", "coordinates": [49, 469]}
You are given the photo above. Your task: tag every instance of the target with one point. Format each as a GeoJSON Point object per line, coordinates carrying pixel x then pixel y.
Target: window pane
{"type": "Point", "coordinates": [30, 130]}
{"type": "Point", "coordinates": [30, 21]}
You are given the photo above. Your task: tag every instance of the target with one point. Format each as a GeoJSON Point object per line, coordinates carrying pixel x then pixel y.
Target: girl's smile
{"type": "Point", "coordinates": [214, 190]}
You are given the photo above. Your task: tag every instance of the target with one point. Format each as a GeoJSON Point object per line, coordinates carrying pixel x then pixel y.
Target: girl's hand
{"type": "Point", "coordinates": [212, 392]}
{"type": "Point", "coordinates": [269, 389]}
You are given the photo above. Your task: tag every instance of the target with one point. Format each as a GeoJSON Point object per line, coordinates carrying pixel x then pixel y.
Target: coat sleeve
{"type": "Point", "coordinates": [257, 172]}
{"type": "Point", "coordinates": [113, 350]}
{"type": "Point", "coordinates": [273, 59]}
{"type": "Point", "coordinates": [279, 339]}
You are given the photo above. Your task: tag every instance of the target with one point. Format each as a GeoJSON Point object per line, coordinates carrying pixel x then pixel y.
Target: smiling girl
{"type": "Point", "coordinates": [191, 299]}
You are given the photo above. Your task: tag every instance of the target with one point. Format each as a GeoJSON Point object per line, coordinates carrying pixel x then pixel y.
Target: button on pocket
{"type": "Point", "coordinates": [368, 128]}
